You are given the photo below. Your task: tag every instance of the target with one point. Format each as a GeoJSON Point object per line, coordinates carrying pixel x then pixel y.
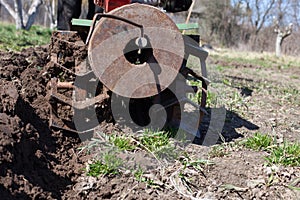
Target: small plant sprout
{"type": "Point", "coordinates": [138, 174]}
{"type": "Point", "coordinates": [218, 151]}
{"type": "Point", "coordinates": [287, 153]}
{"type": "Point", "coordinates": [109, 165]}
{"type": "Point", "coordinates": [259, 142]}
{"type": "Point", "coordinates": [122, 142]}
{"type": "Point", "coordinates": [154, 140]}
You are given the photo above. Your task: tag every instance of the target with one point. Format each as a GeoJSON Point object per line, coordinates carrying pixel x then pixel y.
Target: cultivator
{"type": "Point", "coordinates": [134, 53]}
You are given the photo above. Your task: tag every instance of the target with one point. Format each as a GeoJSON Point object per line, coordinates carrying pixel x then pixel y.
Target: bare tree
{"type": "Point", "coordinates": [23, 19]}
{"type": "Point", "coordinates": [295, 12]}
{"type": "Point", "coordinates": [281, 35]}
{"type": "Point", "coordinates": [51, 12]}
{"type": "Point", "coordinates": [284, 14]}
{"type": "Point", "coordinates": [257, 16]}
{"type": "Point", "coordinates": [218, 21]}
{"type": "Point", "coordinates": [260, 13]}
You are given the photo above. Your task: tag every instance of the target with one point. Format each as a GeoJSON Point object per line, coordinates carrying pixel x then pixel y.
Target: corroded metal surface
{"type": "Point", "coordinates": [112, 52]}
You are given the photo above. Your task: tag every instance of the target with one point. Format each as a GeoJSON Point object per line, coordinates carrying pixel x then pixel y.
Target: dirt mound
{"type": "Point", "coordinates": [32, 156]}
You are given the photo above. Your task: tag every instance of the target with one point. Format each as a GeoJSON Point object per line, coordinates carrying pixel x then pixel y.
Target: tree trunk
{"type": "Point", "coordinates": [53, 20]}
{"type": "Point", "coordinates": [50, 7]}
{"type": "Point", "coordinates": [18, 14]}
{"type": "Point", "coordinates": [281, 35]}
{"type": "Point", "coordinates": [278, 44]}
{"type": "Point", "coordinates": [32, 13]}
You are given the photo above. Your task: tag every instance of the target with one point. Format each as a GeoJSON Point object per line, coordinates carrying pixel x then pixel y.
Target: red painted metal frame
{"type": "Point", "coordinates": [112, 4]}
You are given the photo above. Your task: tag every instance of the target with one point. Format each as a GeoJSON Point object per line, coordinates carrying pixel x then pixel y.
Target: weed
{"type": "Point", "coordinates": [211, 100]}
{"type": "Point", "coordinates": [190, 166]}
{"type": "Point", "coordinates": [155, 140]}
{"type": "Point", "coordinates": [185, 181]}
{"type": "Point", "coordinates": [220, 68]}
{"type": "Point", "coordinates": [122, 142]}
{"type": "Point", "coordinates": [287, 154]}
{"type": "Point", "coordinates": [226, 82]}
{"type": "Point", "coordinates": [101, 141]}
{"type": "Point", "coordinates": [195, 97]}
{"type": "Point", "coordinates": [218, 151]}
{"type": "Point", "coordinates": [236, 101]}
{"type": "Point", "coordinates": [158, 144]}
{"type": "Point", "coordinates": [196, 164]}
{"type": "Point", "coordinates": [108, 166]}
{"type": "Point", "coordinates": [259, 141]}
{"type": "Point", "coordinates": [138, 174]}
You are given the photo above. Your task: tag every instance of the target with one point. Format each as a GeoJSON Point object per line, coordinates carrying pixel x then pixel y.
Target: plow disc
{"type": "Point", "coordinates": [125, 69]}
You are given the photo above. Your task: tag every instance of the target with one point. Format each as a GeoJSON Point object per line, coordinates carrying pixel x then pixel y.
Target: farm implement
{"type": "Point", "coordinates": [127, 66]}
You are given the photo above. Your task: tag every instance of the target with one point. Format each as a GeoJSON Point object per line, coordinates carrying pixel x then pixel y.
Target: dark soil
{"type": "Point", "coordinates": [33, 157]}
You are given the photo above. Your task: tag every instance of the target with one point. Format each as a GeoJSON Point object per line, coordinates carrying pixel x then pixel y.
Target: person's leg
{"type": "Point", "coordinates": [99, 9]}
{"type": "Point", "coordinates": [93, 9]}
{"type": "Point", "coordinates": [66, 10]}
{"type": "Point", "coordinates": [61, 18]}
{"type": "Point", "coordinates": [77, 11]}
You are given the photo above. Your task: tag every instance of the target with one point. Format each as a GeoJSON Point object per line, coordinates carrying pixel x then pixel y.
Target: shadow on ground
{"type": "Point", "coordinates": [220, 125]}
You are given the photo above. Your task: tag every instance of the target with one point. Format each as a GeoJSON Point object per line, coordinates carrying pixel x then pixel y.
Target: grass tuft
{"type": "Point", "coordinates": [138, 174]}
{"type": "Point", "coordinates": [287, 153]}
{"type": "Point", "coordinates": [108, 166]}
{"type": "Point", "coordinates": [218, 151]}
{"type": "Point", "coordinates": [259, 142]}
{"type": "Point", "coordinates": [158, 143]}
{"type": "Point", "coordinates": [155, 140]}
{"type": "Point", "coordinates": [123, 143]}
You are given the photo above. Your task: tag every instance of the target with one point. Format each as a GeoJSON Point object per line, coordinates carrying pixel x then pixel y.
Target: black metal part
{"type": "Point", "coordinates": [98, 16]}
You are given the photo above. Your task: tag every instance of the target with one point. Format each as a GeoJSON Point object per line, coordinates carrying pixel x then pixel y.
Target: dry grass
{"type": "Point", "coordinates": [267, 59]}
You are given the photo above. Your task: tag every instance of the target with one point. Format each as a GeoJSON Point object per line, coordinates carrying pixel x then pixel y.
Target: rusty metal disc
{"type": "Point", "coordinates": [114, 54]}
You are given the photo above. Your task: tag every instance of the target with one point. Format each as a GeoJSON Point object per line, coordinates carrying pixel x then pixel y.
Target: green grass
{"type": "Point", "coordinates": [158, 143]}
{"type": "Point", "coordinates": [122, 142]}
{"type": "Point", "coordinates": [155, 140]}
{"type": "Point", "coordinates": [259, 142]}
{"type": "Point", "coordinates": [139, 176]}
{"type": "Point", "coordinates": [196, 164]}
{"type": "Point", "coordinates": [286, 154]}
{"type": "Point", "coordinates": [253, 59]}
{"type": "Point", "coordinates": [109, 165]}
{"type": "Point", "coordinates": [218, 151]}
{"type": "Point", "coordinates": [16, 40]}
{"type": "Point", "coordinates": [211, 99]}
